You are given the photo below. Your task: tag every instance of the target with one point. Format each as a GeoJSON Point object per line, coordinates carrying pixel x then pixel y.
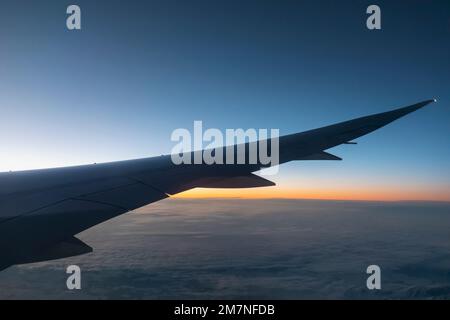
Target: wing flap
{"type": "Point", "coordinates": [318, 156]}
{"type": "Point", "coordinates": [128, 197]}
{"type": "Point", "coordinates": [64, 249]}
{"type": "Point", "coordinates": [245, 181]}
{"type": "Point", "coordinates": [19, 202]}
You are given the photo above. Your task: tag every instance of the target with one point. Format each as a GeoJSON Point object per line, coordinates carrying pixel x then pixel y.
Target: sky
{"type": "Point", "coordinates": [138, 70]}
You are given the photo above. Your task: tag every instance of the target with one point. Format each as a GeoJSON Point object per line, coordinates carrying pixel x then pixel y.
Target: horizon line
{"type": "Point", "coordinates": [183, 197]}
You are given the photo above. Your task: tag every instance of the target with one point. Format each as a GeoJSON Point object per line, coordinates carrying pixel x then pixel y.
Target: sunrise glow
{"type": "Point", "coordinates": [369, 194]}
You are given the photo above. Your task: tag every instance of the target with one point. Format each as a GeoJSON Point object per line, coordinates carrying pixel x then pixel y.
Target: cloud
{"type": "Point", "coordinates": [253, 249]}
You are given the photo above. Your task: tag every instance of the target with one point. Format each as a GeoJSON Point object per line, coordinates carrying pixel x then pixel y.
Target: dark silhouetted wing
{"type": "Point", "coordinates": [42, 210]}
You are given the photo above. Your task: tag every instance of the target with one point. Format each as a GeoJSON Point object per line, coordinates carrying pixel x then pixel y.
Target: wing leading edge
{"type": "Point", "coordinates": [42, 210]}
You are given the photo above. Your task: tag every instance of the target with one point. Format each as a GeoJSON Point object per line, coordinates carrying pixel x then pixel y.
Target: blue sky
{"type": "Point", "coordinates": [140, 69]}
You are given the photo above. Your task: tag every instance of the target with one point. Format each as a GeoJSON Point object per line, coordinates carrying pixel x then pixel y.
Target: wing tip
{"type": "Point", "coordinates": [400, 112]}
{"type": "Point", "coordinates": [427, 102]}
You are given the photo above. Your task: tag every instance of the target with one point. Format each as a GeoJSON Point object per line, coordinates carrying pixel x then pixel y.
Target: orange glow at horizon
{"type": "Point", "coordinates": [359, 194]}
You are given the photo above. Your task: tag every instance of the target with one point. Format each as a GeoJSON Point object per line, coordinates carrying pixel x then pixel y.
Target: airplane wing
{"type": "Point", "coordinates": [41, 211]}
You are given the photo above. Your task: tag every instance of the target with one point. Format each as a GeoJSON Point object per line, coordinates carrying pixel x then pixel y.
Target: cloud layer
{"type": "Point", "coordinates": [258, 249]}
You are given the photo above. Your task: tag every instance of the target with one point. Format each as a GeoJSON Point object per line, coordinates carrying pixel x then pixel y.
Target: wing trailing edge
{"type": "Point", "coordinates": [64, 249]}
{"type": "Point", "coordinates": [235, 182]}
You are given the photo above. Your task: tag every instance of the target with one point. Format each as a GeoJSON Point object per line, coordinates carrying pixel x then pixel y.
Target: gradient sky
{"type": "Point", "coordinates": [140, 69]}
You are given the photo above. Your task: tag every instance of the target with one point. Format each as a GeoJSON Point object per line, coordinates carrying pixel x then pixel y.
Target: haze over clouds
{"type": "Point", "coordinates": [229, 249]}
